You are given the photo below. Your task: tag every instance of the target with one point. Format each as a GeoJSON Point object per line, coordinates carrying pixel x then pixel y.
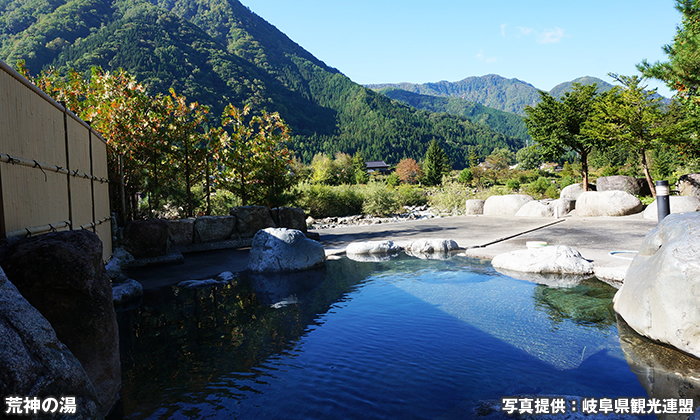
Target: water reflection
{"type": "Point", "coordinates": [365, 333]}
{"type": "Point", "coordinates": [547, 279]}
{"type": "Point", "coordinates": [663, 371]}
{"type": "Point", "coordinates": [181, 338]}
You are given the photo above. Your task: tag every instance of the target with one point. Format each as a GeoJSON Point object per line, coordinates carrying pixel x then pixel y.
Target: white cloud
{"type": "Point", "coordinates": [481, 57]}
{"type": "Point", "coordinates": [503, 29]}
{"type": "Point", "coordinates": [547, 36]}
{"type": "Point", "coordinates": [551, 36]}
{"type": "Point", "coordinates": [525, 30]}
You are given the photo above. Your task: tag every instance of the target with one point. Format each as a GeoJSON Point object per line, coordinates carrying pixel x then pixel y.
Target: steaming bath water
{"type": "Point", "coordinates": [401, 339]}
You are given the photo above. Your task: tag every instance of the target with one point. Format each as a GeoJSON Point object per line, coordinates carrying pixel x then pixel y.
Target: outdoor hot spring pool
{"type": "Point", "coordinates": [401, 339]}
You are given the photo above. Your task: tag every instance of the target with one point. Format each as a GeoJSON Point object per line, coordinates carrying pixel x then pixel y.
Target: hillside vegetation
{"type": "Point", "coordinates": [217, 52]}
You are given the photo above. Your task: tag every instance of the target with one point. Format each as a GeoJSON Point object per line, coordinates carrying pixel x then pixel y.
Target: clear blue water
{"type": "Point", "coordinates": [404, 339]}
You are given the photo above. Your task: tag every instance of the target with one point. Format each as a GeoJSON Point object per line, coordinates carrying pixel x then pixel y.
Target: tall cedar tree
{"type": "Point", "coordinates": [435, 165]}
{"type": "Point", "coordinates": [557, 125]}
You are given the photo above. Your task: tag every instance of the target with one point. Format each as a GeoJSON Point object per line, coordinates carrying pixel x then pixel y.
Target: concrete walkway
{"type": "Point", "coordinates": [481, 237]}
{"type": "Point", "coordinates": [488, 236]}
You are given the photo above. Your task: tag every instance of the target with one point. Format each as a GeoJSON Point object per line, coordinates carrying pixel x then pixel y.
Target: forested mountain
{"type": "Point", "coordinates": [559, 90]}
{"type": "Point", "coordinates": [493, 91]}
{"type": "Point", "coordinates": [218, 51]}
{"type": "Point", "coordinates": [510, 95]}
{"type": "Point", "coordinates": [504, 122]}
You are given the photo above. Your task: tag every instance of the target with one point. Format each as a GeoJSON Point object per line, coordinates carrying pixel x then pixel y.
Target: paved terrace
{"type": "Point", "coordinates": [481, 237]}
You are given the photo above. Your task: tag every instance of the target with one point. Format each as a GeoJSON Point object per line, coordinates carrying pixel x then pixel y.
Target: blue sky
{"type": "Point", "coordinates": [542, 42]}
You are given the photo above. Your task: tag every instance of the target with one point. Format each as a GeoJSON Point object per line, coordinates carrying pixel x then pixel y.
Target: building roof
{"type": "Point", "coordinates": [376, 164]}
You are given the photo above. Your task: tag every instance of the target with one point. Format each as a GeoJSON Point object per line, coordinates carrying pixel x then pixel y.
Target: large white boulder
{"type": "Point", "coordinates": [660, 295]}
{"type": "Point", "coordinates": [678, 204]}
{"type": "Point", "coordinates": [282, 250]}
{"type": "Point", "coordinates": [474, 206]}
{"type": "Point", "coordinates": [546, 208]}
{"type": "Point", "coordinates": [571, 192]}
{"type": "Point", "coordinates": [505, 205]}
{"type": "Point", "coordinates": [555, 259]}
{"type": "Point", "coordinates": [607, 203]}
{"type": "Point", "coordinates": [634, 186]}
{"type": "Point", "coordinates": [689, 184]}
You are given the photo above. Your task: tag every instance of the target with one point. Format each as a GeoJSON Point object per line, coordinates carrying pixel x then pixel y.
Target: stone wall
{"type": "Point", "coordinates": [238, 228]}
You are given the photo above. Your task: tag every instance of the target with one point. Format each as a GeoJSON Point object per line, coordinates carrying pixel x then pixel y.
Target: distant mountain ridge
{"type": "Point", "coordinates": [492, 90]}
{"type": "Point", "coordinates": [504, 122]}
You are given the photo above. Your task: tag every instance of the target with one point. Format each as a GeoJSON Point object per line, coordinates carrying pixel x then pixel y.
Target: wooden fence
{"type": "Point", "coordinates": [53, 166]}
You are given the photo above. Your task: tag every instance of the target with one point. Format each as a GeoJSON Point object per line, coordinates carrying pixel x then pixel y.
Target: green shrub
{"type": "Point", "coordinates": [513, 184]}
{"type": "Point", "coordinates": [552, 192]}
{"type": "Point", "coordinates": [320, 201]}
{"type": "Point", "coordinates": [450, 198]}
{"type": "Point", "coordinates": [380, 200]}
{"type": "Point", "coordinates": [411, 195]}
{"type": "Point", "coordinates": [222, 201]}
{"type": "Point", "coordinates": [393, 180]}
{"type": "Point", "coordinates": [566, 181]}
{"type": "Point", "coordinates": [538, 187]}
{"type": "Point", "coordinates": [609, 171]}
{"type": "Point", "coordinates": [466, 176]}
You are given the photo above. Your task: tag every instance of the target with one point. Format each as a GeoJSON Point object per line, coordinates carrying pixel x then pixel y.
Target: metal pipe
{"type": "Point", "coordinates": [663, 203]}
{"type": "Point", "coordinates": [4, 157]}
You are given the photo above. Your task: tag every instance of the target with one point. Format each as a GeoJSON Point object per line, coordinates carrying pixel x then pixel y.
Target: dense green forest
{"type": "Point", "coordinates": [504, 122]}
{"type": "Point", "coordinates": [217, 52]}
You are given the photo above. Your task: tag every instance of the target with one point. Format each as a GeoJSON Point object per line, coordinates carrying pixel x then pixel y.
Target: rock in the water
{"type": "Point", "coordinates": [127, 291]}
{"type": "Point", "coordinates": [631, 185]}
{"type": "Point", "coordinates": [678, 204]}
{"type": "Point", "coordinates": [371, 257]}
{"type": "Point", "coordinates": [659, 298]}
{"type": "Point", "coordinates": [664, 372]}
{"type": "Point", "coordinates": [505, 205]}
{"type": "Point", "coordinates": [121, 259]}
{"type": "Point", "coordinates": [689, 184]}
{"type": "Point", "coordinates": [474, 206]}
{"type": "Point", "coordinates": [147, 238]}
{"type": "Point", "coordinates": [251, 219]}
{"type": "Point", "coordinates": [573, 191]}
{"type": "Point", "coordinates": [556, 259]}
{"type": "Point", "coordinates": [607, 203]}
{"type": "Point", "coordinates": [372, 248]}
{"type": "Point", "coordinates": [281, 250]}
{"type": "Point", "coordinates": [223, 278]}
{"type": "Point", "coordinates": [431, 248]}
{"type": "Point", "coordinates": [614, 276]}
{"type": "Point", "coordinates": [62, 275]}
{"type": "Point", "coordinates": [214, 228]}
{"type": "Point", "coordinates": [34, 362]}
{"type": "Point", "coordinates": [181, 231]}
